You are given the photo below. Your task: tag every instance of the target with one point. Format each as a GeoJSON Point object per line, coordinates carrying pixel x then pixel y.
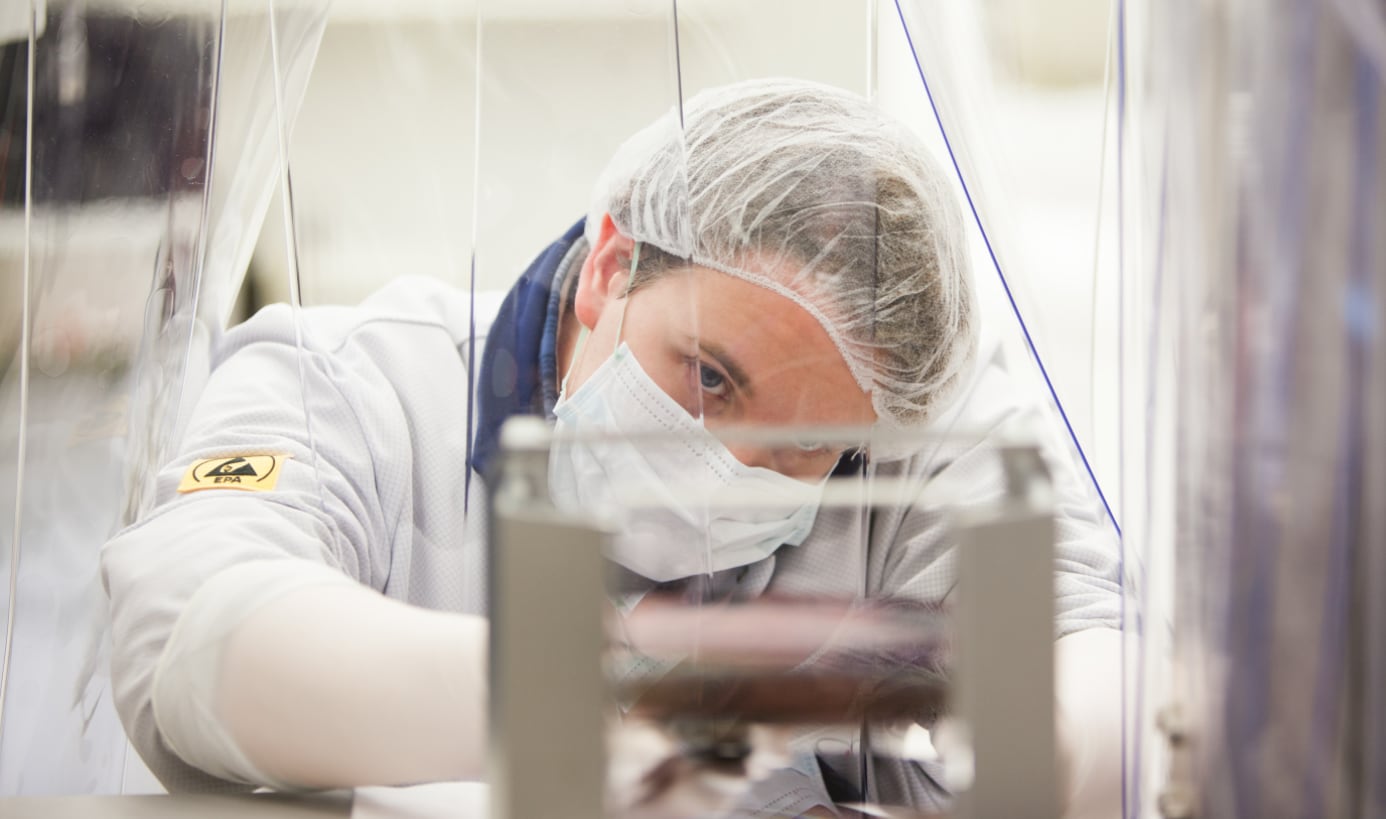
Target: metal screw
{"type": "Point", "coordinates": [1171, 722]}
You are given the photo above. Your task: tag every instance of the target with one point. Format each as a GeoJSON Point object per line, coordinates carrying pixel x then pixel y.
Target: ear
{"type": "Point", "coordinates": [605, 273]}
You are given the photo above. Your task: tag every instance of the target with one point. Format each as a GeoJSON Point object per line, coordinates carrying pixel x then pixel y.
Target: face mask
{"type": "Point", "coordinates": [684, 504]}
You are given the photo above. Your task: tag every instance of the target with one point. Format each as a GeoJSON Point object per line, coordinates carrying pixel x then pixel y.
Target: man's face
{"type": "Point", "coordinates": [735, 354]}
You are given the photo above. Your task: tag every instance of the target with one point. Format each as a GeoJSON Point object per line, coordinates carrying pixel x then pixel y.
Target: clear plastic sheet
{"type": "Point", "coordinates": [965, 64]}
{"type": "Point", "coordinates": [1146, 383]}
{"type": "Point", "coordinates": [135, 175]}
{"type": "Point", "coordinates": [956, 91]}
{"type": "Point", "coordinates": [382, 157]}
{"type": "Point", "coordinates": [1275, 187]}
{"type": "Point", "coordinates": [104, 198]}
{"type": "Point", "coordinates": [192, 301]}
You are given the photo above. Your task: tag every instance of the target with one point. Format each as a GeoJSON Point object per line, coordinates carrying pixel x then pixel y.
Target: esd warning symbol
{"type": "Point", "coordinates": [253, 473]}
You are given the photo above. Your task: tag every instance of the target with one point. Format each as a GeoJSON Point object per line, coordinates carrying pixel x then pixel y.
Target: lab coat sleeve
{"type": "Point", "coordinates": [338, 502]}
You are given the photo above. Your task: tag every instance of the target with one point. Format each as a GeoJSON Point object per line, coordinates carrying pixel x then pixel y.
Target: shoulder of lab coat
{"type": "Point", "coordinates": [368, 407]}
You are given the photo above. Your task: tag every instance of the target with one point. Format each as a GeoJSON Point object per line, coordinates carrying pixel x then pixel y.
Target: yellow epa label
{"type": "Point", "coordinates": [252, 473]}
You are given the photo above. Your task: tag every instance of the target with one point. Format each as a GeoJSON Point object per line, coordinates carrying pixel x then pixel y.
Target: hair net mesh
{"type": "Point", "coordinates": [811, 192]}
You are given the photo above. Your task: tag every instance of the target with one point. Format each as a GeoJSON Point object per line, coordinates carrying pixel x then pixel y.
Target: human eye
{"type": "Point", "coordinates": [711, 381]}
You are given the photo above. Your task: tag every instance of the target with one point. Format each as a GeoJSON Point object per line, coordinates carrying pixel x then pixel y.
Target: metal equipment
{"type": "Point", "coordinates": [988, 659]}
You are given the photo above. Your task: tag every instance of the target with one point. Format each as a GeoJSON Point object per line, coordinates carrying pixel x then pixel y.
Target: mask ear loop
{"type": "Point", "coordinates": [584, 333]}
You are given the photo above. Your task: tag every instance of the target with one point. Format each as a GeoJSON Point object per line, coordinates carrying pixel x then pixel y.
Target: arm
{"type": "Point", "coordinates": [333, 685]}
{"type": "Point", "coordinates": [199, 585]}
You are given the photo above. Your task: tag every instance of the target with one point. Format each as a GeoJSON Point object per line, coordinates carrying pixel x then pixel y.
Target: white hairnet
{"type": "Point", "coordinates": [810, 191]}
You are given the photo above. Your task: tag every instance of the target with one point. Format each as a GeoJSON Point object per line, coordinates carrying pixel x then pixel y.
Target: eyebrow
{"type": "Point", "coordinates": [734, 371]}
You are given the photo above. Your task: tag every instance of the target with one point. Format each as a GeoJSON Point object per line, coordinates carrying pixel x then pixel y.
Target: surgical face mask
{"type": "Point", "coordinates": [684, 504]}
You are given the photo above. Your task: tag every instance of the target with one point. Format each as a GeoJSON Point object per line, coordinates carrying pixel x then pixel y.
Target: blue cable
{"type": "Point", "coordinates": [1025, 330]}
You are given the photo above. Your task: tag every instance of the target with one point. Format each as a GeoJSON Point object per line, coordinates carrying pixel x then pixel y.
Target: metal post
{"type": "Point", "coordinates": [1005, 645]}
{"type": "Point", "coordinates": [548, 694]}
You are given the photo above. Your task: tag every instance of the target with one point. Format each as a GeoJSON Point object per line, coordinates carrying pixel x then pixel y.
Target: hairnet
{"type": "Point", "coordinates": [813, 193]}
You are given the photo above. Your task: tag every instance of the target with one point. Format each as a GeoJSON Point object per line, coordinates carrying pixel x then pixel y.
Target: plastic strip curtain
{"type": "Point", "coordinates": [136, 161]}
{"type": "Point", "coordinates": [1276, 189]}
{"type": "Point", "coordinates": [958, 93]}
{"type": "Point", "coordinates": [956, 86]}
{"type": "Point", "coordinates": [294, 31]}
{"type": "Point", "coordinates": [1148, 381]}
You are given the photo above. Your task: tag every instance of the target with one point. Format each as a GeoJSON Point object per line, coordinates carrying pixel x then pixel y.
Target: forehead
{"type": "Point", "coordinates": [795, 374]}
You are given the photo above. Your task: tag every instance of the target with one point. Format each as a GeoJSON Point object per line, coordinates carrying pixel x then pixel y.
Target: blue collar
{"type": "Point", "coordinates": [517, 364]}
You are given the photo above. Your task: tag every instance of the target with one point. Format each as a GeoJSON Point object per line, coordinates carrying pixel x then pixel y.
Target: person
{"type": "Point", "coordinates": [304, 606]}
